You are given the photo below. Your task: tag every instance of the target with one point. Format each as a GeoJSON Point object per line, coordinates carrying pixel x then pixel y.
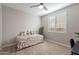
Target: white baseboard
{"type": "Point", "coordinates": [58, 43]}
{"type": "Point", "coordinates": [7, 45]}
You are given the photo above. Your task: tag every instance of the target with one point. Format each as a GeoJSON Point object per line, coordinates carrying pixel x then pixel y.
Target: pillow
{"type": "Point", "coordinates": [22, 34]}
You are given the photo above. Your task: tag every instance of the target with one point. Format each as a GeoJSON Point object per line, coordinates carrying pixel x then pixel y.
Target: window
{"type": "Point", "coordinates": [57, 23]}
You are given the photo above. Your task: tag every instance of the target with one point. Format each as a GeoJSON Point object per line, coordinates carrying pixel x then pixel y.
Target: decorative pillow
{"type": "Point", "coordinates": [22, 34]}
{"type": "Point", "coordinates": [31, 32]}
{"type": "Point", "coordinates": [27, 33]}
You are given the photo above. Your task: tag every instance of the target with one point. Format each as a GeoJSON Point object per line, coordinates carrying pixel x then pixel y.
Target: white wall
{"type": "Point", "coordinates": [72, 25]}
{"type": "Point", "coordinates": [15, 21]}
{"type": "Point", "coordinates": [0, 25]}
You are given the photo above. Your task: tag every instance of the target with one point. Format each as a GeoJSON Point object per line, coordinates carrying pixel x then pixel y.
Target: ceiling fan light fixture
{"type": "Point", "coordinates": [41, 6]}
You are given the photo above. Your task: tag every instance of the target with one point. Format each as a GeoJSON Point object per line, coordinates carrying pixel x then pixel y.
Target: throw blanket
{"type": "Point", "coordinates": [28, 40]}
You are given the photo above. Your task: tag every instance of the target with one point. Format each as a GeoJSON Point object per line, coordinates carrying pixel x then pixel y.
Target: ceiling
{"type": "Point", "coordinates": [25, 7]}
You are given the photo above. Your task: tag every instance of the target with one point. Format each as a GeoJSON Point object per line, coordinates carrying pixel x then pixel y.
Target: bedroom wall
{"type": "Point", "coordinates": [15, 21]}
{"type": "Point", "coordinates": [72, 25]}
{"type": "Point", "coordinates": [0, 25]}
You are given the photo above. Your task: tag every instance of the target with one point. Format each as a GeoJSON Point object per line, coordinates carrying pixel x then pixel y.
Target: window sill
{"type": "Point", "coordinates": [56, 32]}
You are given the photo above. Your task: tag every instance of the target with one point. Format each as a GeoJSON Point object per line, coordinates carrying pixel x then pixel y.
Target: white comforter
{"type": "Point", "coordinates": [28, 40]}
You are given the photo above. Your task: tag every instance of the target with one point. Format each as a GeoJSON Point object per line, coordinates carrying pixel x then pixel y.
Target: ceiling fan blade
{"type": "Point", "coordinates": [34, 6]}
{"type": "Point", "coordinates": [45, 8]}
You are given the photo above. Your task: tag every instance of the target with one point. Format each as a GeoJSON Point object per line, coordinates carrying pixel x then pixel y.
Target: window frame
{"type": "Point", "coordinates": [65, 28]}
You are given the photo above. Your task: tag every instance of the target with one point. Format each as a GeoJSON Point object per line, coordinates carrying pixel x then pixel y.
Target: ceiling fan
{"type": "Point", "coordinates": [41, 6]}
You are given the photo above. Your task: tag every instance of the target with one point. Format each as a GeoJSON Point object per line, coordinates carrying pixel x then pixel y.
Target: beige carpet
{"type": "Point", "coordinates": [45, 48]}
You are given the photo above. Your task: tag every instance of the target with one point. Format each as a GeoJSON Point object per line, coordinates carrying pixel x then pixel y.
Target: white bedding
{"type": "Point", "coordinates": [28, 40]}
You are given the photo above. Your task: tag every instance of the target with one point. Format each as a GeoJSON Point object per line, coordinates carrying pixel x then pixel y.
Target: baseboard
{"type": "Point", "coordinates": [59, 43]}
{"type": "Point", "coordinates": [7, 45]}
